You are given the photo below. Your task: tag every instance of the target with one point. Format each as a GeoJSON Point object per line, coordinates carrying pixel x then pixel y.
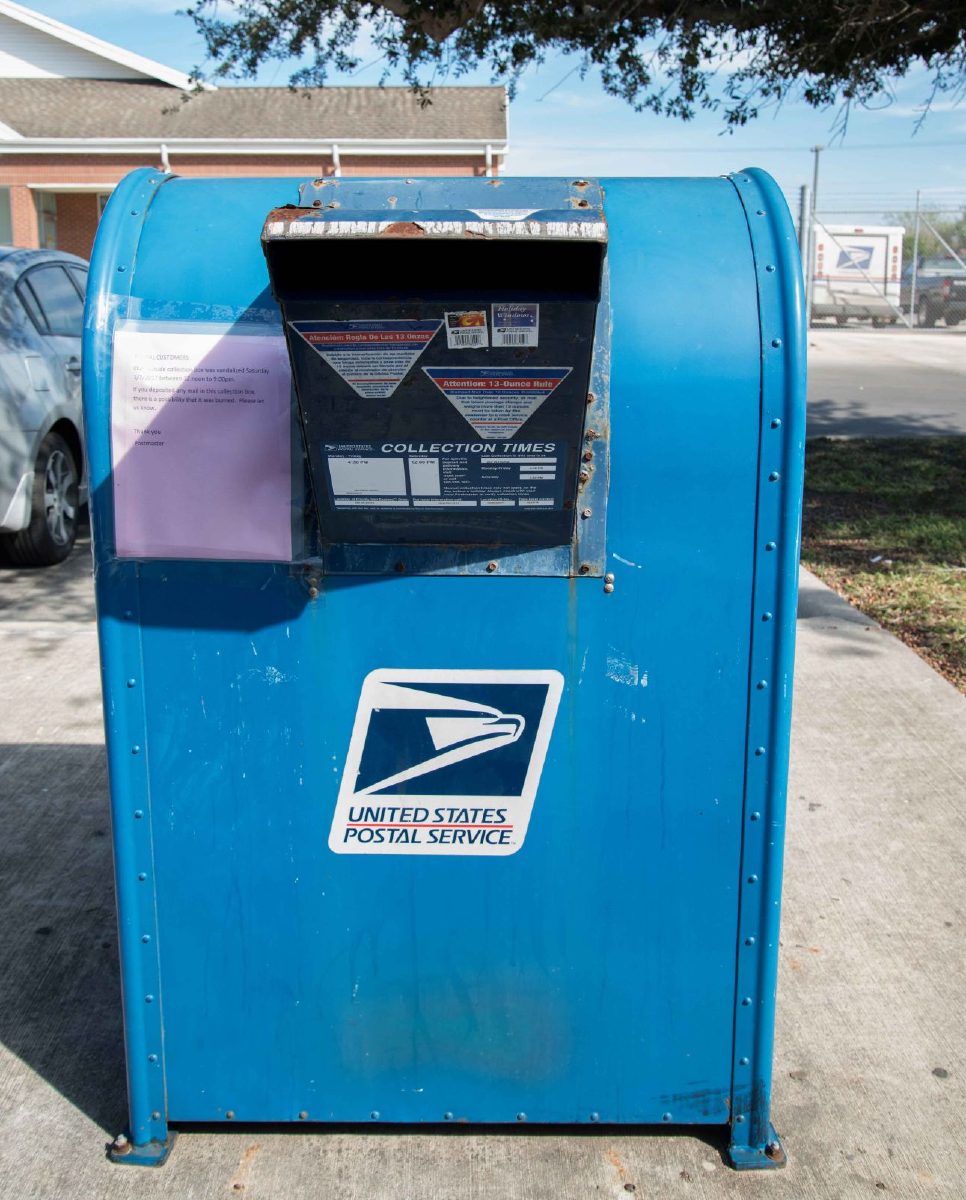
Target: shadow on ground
{"type": "Point", "coordinates": [61, 593]}
{"type": "Point", "coordinates": [60, 1007]}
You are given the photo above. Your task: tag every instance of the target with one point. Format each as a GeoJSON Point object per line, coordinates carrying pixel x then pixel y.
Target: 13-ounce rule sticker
{"type": "Point", "coordinates": [444, 762]}
{"type": "Point", "coordinates": [466, 330]}
{"type": "Point", "coordinates": [516, 324]}
{"type": "Point", "coordinates": [497, 400]}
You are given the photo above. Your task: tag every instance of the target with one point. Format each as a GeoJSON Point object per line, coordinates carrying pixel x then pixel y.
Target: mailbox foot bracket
{"type": "Point", "coordinates": [148, 1154]}
{"type": "Point", "coordinates": [768, 1156]}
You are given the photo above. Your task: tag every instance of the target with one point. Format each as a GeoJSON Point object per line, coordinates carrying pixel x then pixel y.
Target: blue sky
{"type": "Point", "coordinates": [560, 124]}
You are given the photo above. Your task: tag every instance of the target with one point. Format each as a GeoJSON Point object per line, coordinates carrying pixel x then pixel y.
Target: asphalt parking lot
{"type": "Point", "coordinates": [892, 382]}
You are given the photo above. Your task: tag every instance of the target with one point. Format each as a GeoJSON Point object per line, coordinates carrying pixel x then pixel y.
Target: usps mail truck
{"type": "Point", "coordinates": [855, 272]}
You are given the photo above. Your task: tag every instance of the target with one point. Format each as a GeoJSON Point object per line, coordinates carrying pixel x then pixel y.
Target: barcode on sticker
{"type": "Point", "coordinates": [466, 330]}
{"type": "Point", "coordinates": [467, 337]}
{"type": "Point", "coordinates": [516, 324]}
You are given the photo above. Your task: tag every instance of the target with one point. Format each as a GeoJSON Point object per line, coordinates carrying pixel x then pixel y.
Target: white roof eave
{"type": "Point", "coordinates": [93, 45]}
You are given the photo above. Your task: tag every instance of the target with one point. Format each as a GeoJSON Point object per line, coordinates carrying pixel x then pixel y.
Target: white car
{"type": "Point", "coordinates": [43, 482]}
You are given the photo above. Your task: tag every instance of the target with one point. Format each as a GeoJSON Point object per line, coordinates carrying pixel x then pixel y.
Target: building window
{"type": "Point", "coordinates": [6, 225]}
{"type": "Point", "coordinates": [46, 220]}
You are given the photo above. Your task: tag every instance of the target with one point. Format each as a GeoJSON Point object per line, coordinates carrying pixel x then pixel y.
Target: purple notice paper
{"type": "Point", "coordinates": [200, 436]}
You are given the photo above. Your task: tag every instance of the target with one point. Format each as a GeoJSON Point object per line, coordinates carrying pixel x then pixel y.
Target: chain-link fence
{"type": "Point", "coordinates": [896, 259]}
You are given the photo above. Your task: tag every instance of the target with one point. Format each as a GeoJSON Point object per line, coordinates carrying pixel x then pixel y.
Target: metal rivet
{"type": "Point", "coordinates": [773, 476]}
{"type": "Point", "coordinates": [303, 1115]}
{"type": "Point", "coordinates": [155, 1116]}
{"type": "Point", "coordinates": [521, 1116]}
{"type": "Point", "coordinates": [776, 342]}
{"type": "Point", "coordinates": [770, 268]}
{"type": "Point", "coordinates": [665, 1116]}
{"type": "Point", "coordinates": [586, 512]}
{"type": "Point", "coordinates": [135, 212]}
{"type": "Point", "coordinates": [135, 749]}
{"type": "Point", "coordinates": [491, 566]}
{"type": "Point", "coordinates": [584, 476]}
{"type": "Point", "coordinates": [752, 878]}
{"type": "Point", "coordinates": [776, 423]}
{"type": "Point", "coordinates": [128, 614]}
{"type": "Point", "coordinates": [313, 592]}
{"type": "Point", "coordinates": [583, 569]}
{"type": "Point", "coordinates": [447, 1116]}
{"type": "Point", "coordinates": [595, 1116]}
{"type": "Point", "coordinates": [131, 682]}
{"type": "Point", "coordinates": [769, 545]}
{"type": "Point", "coordinates": [122, 269]}
{"type": "Point", "coordinates": [760, 212]}
{"type": "Point", "coordinates": [739, 1119]}
{"type": "Point", "coordinates": [230, 1115]}
{"type": "Point", "coordinates": [608, 588]}
{"type": "Point", "coordinates": [743, 1062]}
{"type": "Point", "coordinates": [374, 1115]}
{"type": "Point", "coordinates": [761, 684]}
{"type": "Point", "coordinates": [774, 1150]}
{"type": "Point", "coordinates": [138, 814]}
{"type": "Point", "coordinates": [766, 616]}
{"type": "Point", "coordinates": [145, 937]}
{"type": "Point", "coordinates": [591, 397]}
{"type": "Point", "coordinates": [746, 1001]}
{"type": "Point", "coordinates": [609, 577]}
{"type": "Point", "coordinates": [750, 941]}
{"type": "Point", "coordinates": [152, 1058]}
{"type": "Point", "coordinates": [759, 751]}
{"type": "Point", "coordinates": [141, 876]}
{"type": "Point", "coordinates": [149, 999]}
{"type": "Point", "coordinates": [756, 816]}
{"type": "Point", "coordinates": [588, 456]}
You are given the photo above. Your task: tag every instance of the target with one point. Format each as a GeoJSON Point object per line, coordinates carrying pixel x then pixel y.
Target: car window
{"type": "Point", "coordinates": [79, 276]}
{"type": "Point", "coordinates": [58, 299]}
{"type": "Point", "coordinates": [29, 301]}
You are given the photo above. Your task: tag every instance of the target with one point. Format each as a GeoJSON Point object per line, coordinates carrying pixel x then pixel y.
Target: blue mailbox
{"type": "Point", "coordinates": [446, 535]}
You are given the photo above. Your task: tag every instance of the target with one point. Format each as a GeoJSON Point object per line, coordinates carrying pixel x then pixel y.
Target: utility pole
{"type": "Point", "coordinates": [810, 241]}
{"type": "Point", "coordinates": [804, 219]}
{"type": "Point", "coordinates": [915, 265]}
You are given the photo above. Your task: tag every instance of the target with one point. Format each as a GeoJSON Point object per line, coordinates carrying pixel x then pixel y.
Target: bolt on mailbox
{"type": "Point", "coordinates": [446, 536]}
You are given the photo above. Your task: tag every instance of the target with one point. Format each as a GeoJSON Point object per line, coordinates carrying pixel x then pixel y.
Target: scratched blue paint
{"type": "Point", "coordinates": [593, 971]}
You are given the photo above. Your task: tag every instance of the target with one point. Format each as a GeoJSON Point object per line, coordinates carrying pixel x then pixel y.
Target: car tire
{"type": "Point", "coordinates": [52, 531]}
{"type": "Point", "coordinates": [839, 320]}
{"type": "Point", "coordinates": [925, 317]}
{"type": "Point", "coordinates": [952, 322]}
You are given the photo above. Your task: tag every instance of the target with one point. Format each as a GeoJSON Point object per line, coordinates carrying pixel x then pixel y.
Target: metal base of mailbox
{"type": "Point", "coordinates": [768, 1157]}
{"type": "Point", "coordinates": [150, 1154]}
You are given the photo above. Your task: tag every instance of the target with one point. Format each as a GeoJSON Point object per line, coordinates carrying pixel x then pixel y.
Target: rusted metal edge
{"type": "Point", "coordinates": [281, 226]}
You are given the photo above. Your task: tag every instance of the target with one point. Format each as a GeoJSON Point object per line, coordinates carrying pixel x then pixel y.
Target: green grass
{"type": "Point", "coordinates": [902, 502]}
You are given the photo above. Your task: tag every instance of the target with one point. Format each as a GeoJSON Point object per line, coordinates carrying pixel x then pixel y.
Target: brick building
{"type": "Point", "coordinates": [76, 114]}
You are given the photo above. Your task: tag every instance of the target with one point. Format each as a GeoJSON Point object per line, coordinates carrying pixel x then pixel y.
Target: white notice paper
{"type": "Point", "coordinates": [200, 438]}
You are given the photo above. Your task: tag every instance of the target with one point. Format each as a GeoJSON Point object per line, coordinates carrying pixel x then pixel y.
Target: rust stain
{"type": "Point", "coordinates": [288, 212]}
{"type": "Point", "coordinates": [239, 1180]}
{"type": "Point", "coordinates": [615, 1161]}
{"type": "Point", "coordinates": [403, 229]}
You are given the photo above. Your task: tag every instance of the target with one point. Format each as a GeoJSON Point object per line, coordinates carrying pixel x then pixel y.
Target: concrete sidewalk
{"type": "Point", "coordinates": [871, 1045]}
